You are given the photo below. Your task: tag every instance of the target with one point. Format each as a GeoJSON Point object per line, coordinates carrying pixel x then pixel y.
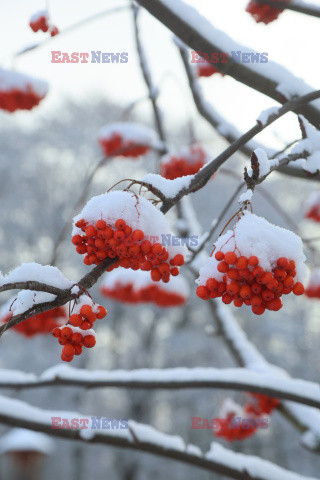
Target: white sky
{"type": "Point", "coordinates": [291, 41]}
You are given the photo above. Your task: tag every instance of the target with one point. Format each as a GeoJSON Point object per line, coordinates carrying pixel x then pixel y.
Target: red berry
{"type": "Point", "coordinates": [267, 295]}
{"type": "Point", "coordinates": [283, 262]}
{"type": "Point", "coordinates": [233, 288]}
{"type": "Point", "coordinates": [102, 312]}
{"type": "Point", "coordinates": [267, 277]}
{"type": "Point", "coordinates": [75, 320]}
{"type": "Point", "coordinates": [174, 271]}
{"type": "Point", "coordinates": [156, 248]}
{"type": "Point", "coordinates": [138, 236]}
{"type": "Point", "coordinates": [223, 267]}
{"type": "Point", "coordinates": [120, 224]}
{"type": "Point", "coordinates": [179, 260]}
{"type": "Point", "coordinates": [280, 274]}
{"type": "Point", "coordinates": [226, 298]}
{"type": "Point", "coordinates": [66, 332]}
{"type": "Point", "coordinates": [77, 349]}
{"type": "Point", "coordinates": [288, 281]}
{"type": "Point", "coordinates": [101, 225]}
{"type": "Point", "coordinates": [89, 341]}
{"type": "Point", "coordinates": [256, 300]}
{"type": "Point", "coordinates": [253, 261]}
{"type": "Point", "coordinates": [219, 255]}
{"type": "Point", "coordinates": [91, 231]}
{"type": "Point", "coordinates": [85, 325]}
{"type": "Point", "coordinates": [76, 338]}
{"type": "Point", "coordinates": [257, 271]}
{"type": "Point", "coordinates": [76, 239]}
{"type": "Point", "coordinates": [155, 275]}
{"type": "Point", "coordinates": [203, 292]}
{"type": "Point", "coordinates": [86, 311]}
{"type": "Point", "coordinates": [230, 258]}
{"type": "Point", "coordinates": [212, 284]}
{"type": "Point", "coordinates": [259, 310]}
{"type": "Point", "coordinates": [56, 332]}
{"type": "Point", "coordinates": [242, 263]}
{"type": "Point", "coordinates": [68, 350]}
{"type": "Point", "coordinates": [245, 292]}
{"type": "Point", "coordinates": [298, 289]}
{"type": "Point", "coordinates": [66, 359]}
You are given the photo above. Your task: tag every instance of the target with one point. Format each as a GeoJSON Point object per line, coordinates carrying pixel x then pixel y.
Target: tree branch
{"type": "Point", "coordinates": [177, 17]}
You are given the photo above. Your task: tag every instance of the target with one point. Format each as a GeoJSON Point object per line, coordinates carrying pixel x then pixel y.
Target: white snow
{"type": "Point", "coordinates": [311, 144]}
{"type": "Point", "coordinates": [254, 466]}
{"type": "Point", "coordinates": [10, 80]}
{"type": "Point", "coordinates": [169, 188]}
{"type": "Point", "coordinates": [254, 235]}
{"type": "Point", "coordinates": [46, 274]}
{"type": "Point", "coordinates": [37, 15]}
{"type": "Point", "coordinates": [131, 132]}
{"type": "Point", "coordinates": [190, 154]}
{"type": "Point", "coordinates": [137, 212]}
{"type": "Point", "coordinates": [245, 196]}
{"type": "Point", "coordinates": [28, 298]}
{"type": "Point", "coordinates": [22, 440]}
{"type": "Point", "coordinates": [266, 114]}
{"type": "Point", "coordinates": [314, 279]}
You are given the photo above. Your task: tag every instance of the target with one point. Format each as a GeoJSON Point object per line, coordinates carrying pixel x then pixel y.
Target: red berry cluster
{"type": "Point", "coordinates": [39, 324]}
{"type": "Point", "coordinates": [176, 166]}
{"type": "Point", "coordinates": [101, 240]}
{"type": "Point", "coordinates": [16, 99]}
{"type": "Point", "coordinates": [206, 69]}
{"type": "Point", "coordinates": [78, 332]}
{"type": "Point", "coordinates": [149, 294]}
{"type": "Point", "coordinates": [262, 12]}
{"type": "Point", "coordinates": [116, 144]}
{"type": "Point", "coordinates": [313, 289]}
{"type": "Point", "coordinates": [233, 430]}
{"type": "Point", "coordinates": [41, 23]}
{"type": "Point", "coordinates": [313, 212]}
{"type": "Point", "coordinates": [245, 282]}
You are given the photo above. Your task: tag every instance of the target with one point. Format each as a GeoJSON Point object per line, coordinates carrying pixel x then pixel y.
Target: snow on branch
{"type": "Point", "coordinates": [266, 382]}
{"type": "Point", "coordinates": [198, 33]}
{"type": "Point", "coordinates": [144, 438]}
{"type": "Point", "coordinates": [228, 131]}
{"type": "Point", "coordinates": [200, 179]}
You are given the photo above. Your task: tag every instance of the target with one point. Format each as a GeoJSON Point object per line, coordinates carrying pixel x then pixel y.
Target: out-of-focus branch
{"type": "Point", "coordinates": [224, 128]}
{"type": "Point", "coordinates": [153, 93]}
{"type": "Point", "coordinates": [194, 30]}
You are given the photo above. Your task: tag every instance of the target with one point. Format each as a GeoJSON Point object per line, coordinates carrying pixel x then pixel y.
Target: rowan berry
{"type": "Point", "coordinates": [89, 341]}
{"type": "Point", "coordinates": [298, 288]}
{"type": "Point", "coordinates": [230, 258]}
{"type": "Point", "coordinates": [219, 255]}
{"type": "Point", "coordinates": [75, 320]}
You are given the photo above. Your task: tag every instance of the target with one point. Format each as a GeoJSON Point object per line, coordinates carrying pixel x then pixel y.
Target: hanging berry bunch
{"type": "Point", "coordinates": [40, 22]}
{"type": "Point", "coordinates": [254, 264]}
{"type": "Point", "coordinates": [313, 207]}
{"type": "Point", "coordinates": [20, 92]}
{"type": "Point", "coordinates": [128, 227]}
{"type": "Point", "coordinates": [313, 288]}
{"type": "Point", "coordinates": [127, 140]}
{"type": "Point", "coordinates": [128, 286]}
{"type": "Point", "coordinates": [262, 12]}
{"type": "Point", "coordinates": [78, 332]}
{"type": "Point", "coordinates": [187, 161]}
{"type": "Point", "coordinates": [40, 324]}
{"type": "Point", "coordinates": [239, 423]}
